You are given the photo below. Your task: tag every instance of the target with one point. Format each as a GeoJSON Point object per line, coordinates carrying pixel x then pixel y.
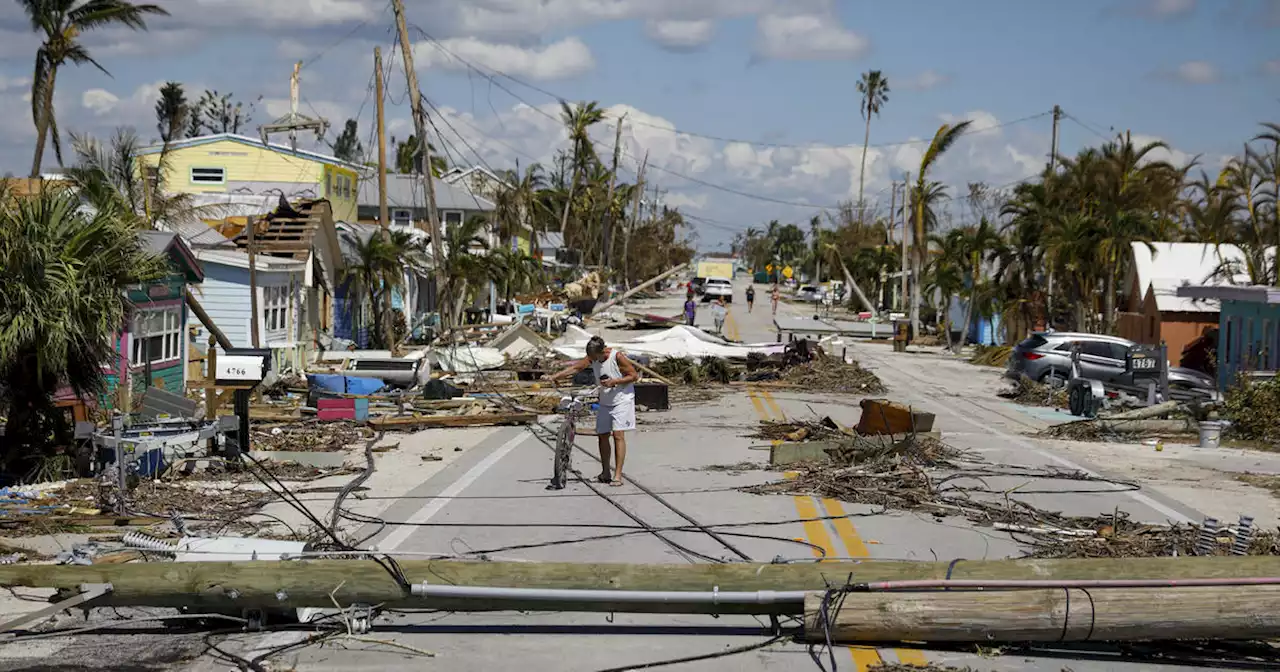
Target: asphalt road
{"type": "Point", "coordinates": [491, 500]}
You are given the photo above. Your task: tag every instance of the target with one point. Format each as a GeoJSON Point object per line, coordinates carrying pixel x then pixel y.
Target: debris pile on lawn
{"type": "Point", "coordinates": [1030, 393]}
{"type": "Point", "coordinates": [285, 471]}
{"type": "Point", "coordinates": [991, 355]}
{"type": "Point", "coordinates": [1253, 409]}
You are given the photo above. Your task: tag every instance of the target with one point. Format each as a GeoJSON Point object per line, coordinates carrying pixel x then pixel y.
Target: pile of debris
{"type": "Point", "coordinates": [1030, 393]}
{"type": "Point", "coordinates": [307, 436]}
{"type": "Point", "coordinates": [1171, 419]}
{"type": "Point", "coordinates": [828, 374]}
{"type": "Point", "coordinates": [1253, 409]}
{"type": "Point", "coordinates": [1116, 536]}
{"type": "Point", "coordinates": [877, 470]}
{"type": "Point", "coordinates": [697, 372]}
{"type": "Point", "coordinates": [991, 355]}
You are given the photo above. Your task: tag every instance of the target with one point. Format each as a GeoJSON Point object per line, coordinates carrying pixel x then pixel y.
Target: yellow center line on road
{"type": "Point", "coordinates": [730, 327]}
{"type": "Point", "coordinates": [816, 532]}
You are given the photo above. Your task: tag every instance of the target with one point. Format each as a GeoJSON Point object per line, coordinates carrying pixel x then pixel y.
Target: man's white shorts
{"type": "Point", "coordinates": [620, 417]}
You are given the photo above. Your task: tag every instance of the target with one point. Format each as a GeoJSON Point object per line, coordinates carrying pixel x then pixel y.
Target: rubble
{"type": "Point", "coordinates": [1030, 393]}
{"type": "Point", "coordinates": [1116, 536]}
{"type": "Point", "coordinates": [307, 436]}
{"type": "Point", "coordinates": [1253, 409]}
{"type": "Point", "coordinates": [827, 374]}
{"type": "Point", "coordinates": [991, 355]}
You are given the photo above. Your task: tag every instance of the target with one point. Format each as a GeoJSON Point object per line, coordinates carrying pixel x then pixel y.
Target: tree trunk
{"type": "Point", "coordinates": [918, 254]}
{"type": "Point", "coordinates": [968, 321]}
{"type": "Point", "coordinates": [564, 217]}
{"type": "Point", "coordinates": [376, 334]}
{"type": "Point", "coordinates": [42, 124]}
{"type": "Point", "coordinates": [944, 327]}
{"type": "Point", "coordinates": [1109, 300]}
{"type": "Point", "coordinates": [862, 175]}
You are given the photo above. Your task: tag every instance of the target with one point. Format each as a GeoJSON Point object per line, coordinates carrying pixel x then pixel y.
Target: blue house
{"type": "Point", "coordinates": [1248, 328]}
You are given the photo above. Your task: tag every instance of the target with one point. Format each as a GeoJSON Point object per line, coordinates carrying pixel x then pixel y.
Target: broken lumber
{"type": "Point", "coordinates": [1156, 411]}
{"type": "Point", "coordinates": [653, 374]}
{"type": "Point", "coordinates": [428, 421]}
{"type": "Point", "coordinates": [1048, 615]}
{"type": "Point", "coordinates": [304, 583]}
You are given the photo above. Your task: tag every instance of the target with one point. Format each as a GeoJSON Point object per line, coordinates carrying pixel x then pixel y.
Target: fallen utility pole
{"type": "Point", "coordinates": [203, 316]}
{"type": "Point", "coordinates": [308, 583]}
{"type": "Point", "coordinates": [1048, 615]}
{"type": "Point", "coordinates": [647, 283]}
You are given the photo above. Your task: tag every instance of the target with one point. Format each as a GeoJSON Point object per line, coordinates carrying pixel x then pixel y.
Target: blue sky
{"type": "Point", "coordinates": [1199, 75]}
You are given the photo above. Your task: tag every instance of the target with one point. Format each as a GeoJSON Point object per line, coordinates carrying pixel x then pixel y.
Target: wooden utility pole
{"type": "Point", "coordinates": [906, 198]}
{"type": "Point", "coordinates": [1053, 165]}
{"type": "Point", "coordinates": [250, 225]}
{"type": "Point", "coordinates": [607, 221]}
{"type": "Point", "coordinates": [383, 217]}
{"type": "Point", "coordinates": [1048, 615]}
{"type": "Point", "coordinates": [893, 205]}
{"type": "Point", "coordinates": [306, 583]}
{"type": "Point", "coordinates": [420, 126]}
{"type": "Point", "coordinates": [635, 218]}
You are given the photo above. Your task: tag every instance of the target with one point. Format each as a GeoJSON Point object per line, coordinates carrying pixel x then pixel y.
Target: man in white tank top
{"type": "Point", "coordinates": [616, 376]}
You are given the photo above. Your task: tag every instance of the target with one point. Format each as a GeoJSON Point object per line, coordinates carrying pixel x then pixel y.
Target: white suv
{"type": "Point", "coordinates": [717, 288]}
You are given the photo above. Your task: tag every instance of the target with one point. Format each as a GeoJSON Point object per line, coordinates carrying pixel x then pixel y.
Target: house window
{"type": "Point", "coordinates": [452, 218]}
{"type": "Point", "coordinates": [156, 336]}
{"type": "Point", "coordinates": [209, 175]}
{"type": "Point", "coordinates": [402, 217]}
{"type": "Point", "coordinates": [275, 305]}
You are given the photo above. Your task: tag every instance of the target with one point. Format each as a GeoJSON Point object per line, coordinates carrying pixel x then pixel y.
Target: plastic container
{"type": "Point", "coordinates": [1210, 434]}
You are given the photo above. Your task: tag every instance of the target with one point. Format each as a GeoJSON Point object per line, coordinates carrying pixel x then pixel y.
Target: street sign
{"type": "Point", "coordinates": [787, 272]}
{"type": "Point", "coordinates": [769, 268]}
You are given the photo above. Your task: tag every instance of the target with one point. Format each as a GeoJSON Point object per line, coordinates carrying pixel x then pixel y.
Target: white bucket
{"type": "Point", "coordinates": [1210, 434]}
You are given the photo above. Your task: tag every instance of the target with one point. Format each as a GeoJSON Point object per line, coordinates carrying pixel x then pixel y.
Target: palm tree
{"type": "Point", "coordinates": [468, 263]}
{"type": "Point", "coordinates": [943, 139]}
{"type": "Point", "coordinates": [61, 23]}
{"type": "Point", "coordinates": [874, 88]}
{"type": "Point", "coordinates": [64, 275]}
{"type": "Point", "coordinates": [578, 120]}
{"type": "Point", "coordinates": [108, 175]}
{"type": "Point", "coordinates": [377, 266]}
{"type": "Point", "coordinates": [979, 245]}
{"type": "Point", "coordinates": [944, 276]}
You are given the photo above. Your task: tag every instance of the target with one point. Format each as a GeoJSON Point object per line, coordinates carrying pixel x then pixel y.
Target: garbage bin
{"type": "Point", "coordinates": [901, 335]}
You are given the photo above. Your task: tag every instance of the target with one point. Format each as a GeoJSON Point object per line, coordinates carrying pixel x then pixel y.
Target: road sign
{"type": "Point", "coordinates": [769, 268]}
{"type": "Point", "coordinates": [787, 272]}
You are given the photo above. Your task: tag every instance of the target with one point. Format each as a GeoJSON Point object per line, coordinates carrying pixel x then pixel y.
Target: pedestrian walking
{"type": "Point", "coordinates": [617, 414]}
{"type": "Point", "coordinates": [690, 310]}
{"type": "Point", "coordinates": [775, 296]}
{"type": "Point", "coordinates": [751, 297]}
{"type": "Point", "coordinates": [718, 313]}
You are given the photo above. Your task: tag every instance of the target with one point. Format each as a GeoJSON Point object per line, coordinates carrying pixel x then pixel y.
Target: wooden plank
{"type": "Point", "coordinates": [428, 421]}
{"type": "Point", "coordinates": [1050, 615]}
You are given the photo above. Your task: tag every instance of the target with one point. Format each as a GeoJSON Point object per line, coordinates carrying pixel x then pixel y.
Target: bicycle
{"type": "Point", "coordinates": [571, 406]}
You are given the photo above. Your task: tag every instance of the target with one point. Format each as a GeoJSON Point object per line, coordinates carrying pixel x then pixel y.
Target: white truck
{"type": "Point", "coordinates": [715, 277]}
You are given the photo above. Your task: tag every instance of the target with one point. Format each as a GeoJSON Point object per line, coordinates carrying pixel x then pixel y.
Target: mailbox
{"type": "Point", "coordinates": [1145, 361]}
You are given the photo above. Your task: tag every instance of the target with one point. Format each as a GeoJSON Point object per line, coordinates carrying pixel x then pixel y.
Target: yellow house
{"type": "Point", "coordinates": [230, 163]}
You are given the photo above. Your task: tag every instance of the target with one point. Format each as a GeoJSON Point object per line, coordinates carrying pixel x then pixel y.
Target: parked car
{"type": "Point", "coordinates": [809, 294]}
{"type": "Point", "coordinates": [1046, 357]}
{"type": "Point", "coordinates": [717, 288]}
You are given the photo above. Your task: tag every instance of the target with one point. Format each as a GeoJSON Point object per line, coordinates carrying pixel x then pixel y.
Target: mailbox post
{"type": "Point", "coordinates": [1149, 369]}
{"type": "Point", "coordinates": [242, 369]}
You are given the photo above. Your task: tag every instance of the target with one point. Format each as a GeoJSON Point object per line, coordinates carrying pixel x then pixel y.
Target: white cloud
{"type": "Point", "coordinates": [1171, 155]}
{"type": "Point", "coordinates": [681, 35]}
{"type": "Point", "coordinates": [99, 101]}
{"type": "Point", "coordinates": [929, 79]}
{"type": "Point", "coordinates": [509, 18]}
{"type": "Point", "coordinates": [683, 201]}
{"type": "Point", "coordinates": [566, 58]}
{"type": "Point", "coordinates": [1197, 72]}
{"type": "Point", "coordinates": [807, 37]}
{"type": "Point", "coordinates": [7, 83]}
